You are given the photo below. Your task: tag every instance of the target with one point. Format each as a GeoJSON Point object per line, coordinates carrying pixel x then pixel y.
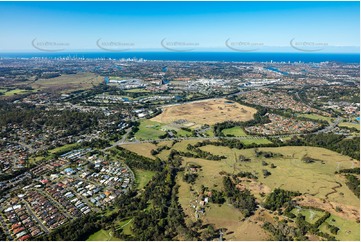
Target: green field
{"type": "Point", "coordinates": [349, 230]}
{"type": "Point", "coordinates": [349, 125]}
{"type": "Point", "coordinates": [260, 141]}
{"type": "Point", "coordinates": [7, 93]}
{"type": "Point", "coordinates": [316, 117]}
{"type": "Point", "coordinates": [235, 131]}
{"type": "Point", "coordinates": [102, 235]}
{"type": "Point", "coordinates": [311, 215]}
{"type": "Point", "coordinates": [210, 132]}
{"type": "Point", "coordinates": [64, 148]}
{"type": "Point", "coordinates": [149, 130]}
{"type": "Point", "coordinates": [137, 90]}
{"type": "Point", "coordinates": [142, 177]}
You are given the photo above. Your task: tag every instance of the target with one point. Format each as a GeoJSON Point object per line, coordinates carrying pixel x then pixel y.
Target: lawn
{"type": "Point", "coordinates": [349, 230]}
{"type": "Point", "coordinates": [235, 131]}
{"type": "Point", "coordinates": [102, 235]}
{"type": "Point", "coordinates": [349, 125]}
{"type": "Point", "coordinates": [142, 177]}
{"type": "Point", "coordinates": [316, 117]}
{"type": "Point", "coordinates": [149, 130]}
{"type": "Point", "coordinates": [64, 148]}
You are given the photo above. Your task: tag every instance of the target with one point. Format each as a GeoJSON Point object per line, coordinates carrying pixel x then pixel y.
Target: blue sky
{"type": "Point", "coordinates": [268, 26]}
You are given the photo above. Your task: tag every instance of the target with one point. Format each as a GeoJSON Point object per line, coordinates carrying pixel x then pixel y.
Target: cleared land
{"type": "Point", "coordinates": [68, 83]}
{"type": "Point", "coordinates": [206, 112]}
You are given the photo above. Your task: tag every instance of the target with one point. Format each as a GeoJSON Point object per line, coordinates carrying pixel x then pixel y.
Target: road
{"type": "Point", "coordinates": [35, 217]}
{"type": "Point", "coordinates": [330, 127]}
{"type": "Point", "coordinates": [56, 203]}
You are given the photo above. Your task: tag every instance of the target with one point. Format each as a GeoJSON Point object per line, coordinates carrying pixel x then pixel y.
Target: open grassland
{"type": "Point", "coordinates": [68, 83]}
{"type": "Point", "coordinates": [291, 173]}
{"type": "Point", "coordinates": [316, 117]}
{"type": "Point", "coordinates": [349, 230]}
{"type": "Point", "coordinates": [321, 187]}
{"type": "Point", "coordinates": [206, 112]}
{"type": "Point", "coordinates": [235, 131]}
{"type": "Point", "coordinates": [317, 179]}
{"type": "Point", "coordinates": [102, 235]}
{"type": "Point", "coordinates": [349, 125]}
{"type": "Point", "coordinates": [141, 149]}
{"type": "Point", "coordinates": [142, 177]}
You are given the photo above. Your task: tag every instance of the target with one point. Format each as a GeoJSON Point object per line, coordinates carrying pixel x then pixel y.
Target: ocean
{"type": "Point", "coordinates": [202, 56]}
